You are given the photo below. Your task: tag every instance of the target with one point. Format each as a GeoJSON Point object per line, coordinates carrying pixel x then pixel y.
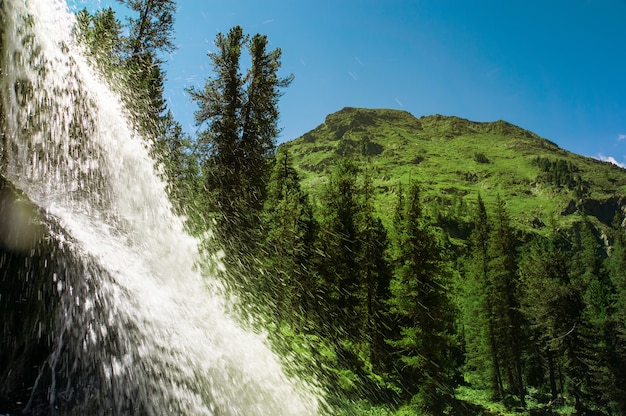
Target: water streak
{"type": "Point", "coordinates": [148, 334]}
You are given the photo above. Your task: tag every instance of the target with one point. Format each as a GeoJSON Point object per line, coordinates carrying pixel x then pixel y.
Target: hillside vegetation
{"type": "Point", "coordinates": [453, 158]}
{"type": "Point", "coordinates": [406, 266]}
{"type": "Point", "coordinates": [450, 267]}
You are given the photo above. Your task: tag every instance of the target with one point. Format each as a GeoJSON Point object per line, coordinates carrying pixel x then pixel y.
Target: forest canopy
{"type": "Point", "coordinates": [415, 305]}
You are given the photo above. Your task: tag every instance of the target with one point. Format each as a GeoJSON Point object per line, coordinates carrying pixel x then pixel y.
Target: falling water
{"type": "Point", "coordinates": [139, 331]}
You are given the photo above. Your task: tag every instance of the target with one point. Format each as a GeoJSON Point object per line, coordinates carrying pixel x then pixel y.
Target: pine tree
{"type": "Point", "coordinates": [134, 61]}
{"type": "Point", "coordinates": [240, 114]}
{"type": "Point", "coordinates": [549, 303]}
{"type": "Point", "coordinates": [493, 326]}
{"type": "Point", "coordinates": [593, 382]}
{"type": "Point", "coordinates": [616, 266]}
{"type": "Point", "coordinates": [340, 245]}
{"type": "Point", "coordinates": [152, 31]}
{"type": "Point", "coordinates": [150, 35]}
{"type": "Point", "coordinates": [354, 279]}
{"type": "Point", "coordinates": [375, 277]}
{"type": "Point", "coordinates": [102, 34]}
{"type": "Point", "coordinates": [289, 228]}
{"type": "Point", "coordinates": [504, 300]}
{"type": "Point", "coordinates": [419, 298]}
{"type": "Point", "coordinates": [566, 300]}
{"type": "Point", "coordinates": [482, 359]}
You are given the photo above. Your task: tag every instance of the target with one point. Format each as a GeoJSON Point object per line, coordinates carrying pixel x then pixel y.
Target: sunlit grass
{"type": "Point", "coordinates": [440, 153]}
{"type": "Point", "coordinates": [482, 399]}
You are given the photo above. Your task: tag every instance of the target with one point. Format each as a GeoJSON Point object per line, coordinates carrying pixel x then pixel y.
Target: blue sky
{"type": "Point", "coordinates": [555, 67]}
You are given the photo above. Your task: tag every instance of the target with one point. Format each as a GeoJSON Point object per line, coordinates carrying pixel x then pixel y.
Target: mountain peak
{"type": "Point", "coordinates": [350, 122]}
{"type": "Point", "coordinates": [453, 157]}
{"type": "Point", "coordinates": [360, 118]}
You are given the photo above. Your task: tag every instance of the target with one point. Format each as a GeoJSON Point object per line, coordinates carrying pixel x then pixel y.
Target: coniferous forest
{"type": "Point", "coordinates": [399, 296]}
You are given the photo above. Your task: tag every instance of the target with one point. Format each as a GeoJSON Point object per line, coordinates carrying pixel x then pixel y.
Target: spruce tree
{"type": "Point", "coordinates": [549, 303]}
{"type": "Point", "coordinates": [102, 35]}
{"type": "Point", "coordinates": [593, 382]}
{"type": "Point", "coordinates": [503, 300]}
{"type": "Point", "coordinates": [150, 35]}
{"type": "Point", "coordinates": [239, 116]}
{"type": "Point", "coordinates": [133, 64]}
{"type": "Point", "coordinates": [566, 300]}
{"type": "Point", "coordinates": [375, 277]}
{"type": "Point", "coordinates": [354, 276]}
{"type": "Point", "coordinates": [152, 30]}
{"type": "Point", "coordinates": [616, 266]}
{"type": "Point", "coordinates": [420, 300]}
{"type": "Point", "coordinates": [340, 244]}
{"type": "Point", "coordinates": [287, 223]}
{"type": "Point", "coordinates": [482, 359]}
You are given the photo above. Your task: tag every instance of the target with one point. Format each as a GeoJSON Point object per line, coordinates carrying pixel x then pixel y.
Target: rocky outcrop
{"type": "Point", "coordinates": [47, 365]}
{"type": "Point", "coordinates": [25, 320]}
{"type": "Point", "coordinates": [604, 210]}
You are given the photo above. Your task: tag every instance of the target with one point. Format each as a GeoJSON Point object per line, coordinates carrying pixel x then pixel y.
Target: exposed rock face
{"type": "Point", "coordinates": [25, 320]}
{"type": "Point", "coordinates": [28, 298]}
{"type": "Point", "coordinates": [604, 210]}
{"type": "Point", "coordinates": [44, 288]}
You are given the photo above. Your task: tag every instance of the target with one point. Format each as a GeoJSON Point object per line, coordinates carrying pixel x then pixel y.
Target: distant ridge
{"type": "Point", "coordinates": [454, 159]}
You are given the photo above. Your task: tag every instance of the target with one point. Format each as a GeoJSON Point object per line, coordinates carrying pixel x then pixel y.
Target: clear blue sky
{"type": "Point", "coordinates": [555, 67]}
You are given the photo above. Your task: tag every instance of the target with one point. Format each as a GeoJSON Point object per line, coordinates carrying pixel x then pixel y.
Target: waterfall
{"type": "Point", "coordinates": [138, 329]}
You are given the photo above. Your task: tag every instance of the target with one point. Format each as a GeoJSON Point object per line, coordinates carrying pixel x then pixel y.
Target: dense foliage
{"type": "Point", "coordinates": [414, 309]}
{"type": "Point", "coordinates": [239, 116]}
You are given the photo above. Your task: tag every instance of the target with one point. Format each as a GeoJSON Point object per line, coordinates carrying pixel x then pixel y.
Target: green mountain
{"type": "Point", "coordinates": [456, 159]}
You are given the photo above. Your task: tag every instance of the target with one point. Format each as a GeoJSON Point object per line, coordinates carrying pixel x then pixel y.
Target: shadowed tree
{"type": "Point", "coordinates": [150, 35]}
{"type": "Point", "coordinates": [341, 245]}
{"type": "Point", "coordinates": [419, 299]}
{"type": "Point", "coordinates": [567, 303]}
{"type": "Point", "coordinates": [504, 300]}
{"type": "Point", "coordinates": [482, 358]}
{"type": "Point", "coordinates": [375, 277]}
{"type": "Point", "coordinates": [589, 361]}
{"type": "Point", "coordinates": [289, 228]}
{"type": "Point", "coordinates": [239, 113]}
{"type": "Point", "coordinates": [549, 303]}
{"type": "Point", "coordinates": [616, 265]}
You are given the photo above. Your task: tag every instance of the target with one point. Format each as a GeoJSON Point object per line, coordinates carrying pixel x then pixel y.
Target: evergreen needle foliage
{"type": "Point", "coordinates": [451, 296]}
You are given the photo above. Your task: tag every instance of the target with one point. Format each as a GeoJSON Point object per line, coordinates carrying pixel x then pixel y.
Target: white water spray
{"type": "Point", "coordinates": [150, 332]}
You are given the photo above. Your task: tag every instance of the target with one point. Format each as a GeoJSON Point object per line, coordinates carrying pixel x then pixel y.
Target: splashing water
{"type": "Point", "coordinates": [147, 333]}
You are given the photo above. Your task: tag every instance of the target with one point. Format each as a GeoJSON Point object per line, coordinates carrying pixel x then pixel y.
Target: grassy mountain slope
{"type": "Point", "coordinates": [454, 159]}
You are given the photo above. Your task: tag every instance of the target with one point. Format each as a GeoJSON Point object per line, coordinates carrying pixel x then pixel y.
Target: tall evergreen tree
{"type": "Point", "coordinates": [240, 113]}
{"type": "Point", "coordinates": [375, 277]}
{"type": "Point", "coordinates": [354, 279]}
{"type": "Point", "coordinates": [150, 35]}
{"type": "Point", "coordinates": [616, 266]}
{"type": "Point", "coordinates": [494, 326]}
{"type": "Point", "coordinates": [549, 303]}
{"type": "Point", "coordinates": [152, 31]}
{"type": "Point", "coordinates": [593, 381]}
{"type": "Point", "coordinates": [102, 34]}
{"type": "Point", "coordinates": [566, 300]}
{"type": "Point", "coordinates": [340, 243]}
{"type": "Point", "coordinates": [135, 60]}
{"type": "Point", "coordinates": [287, 249]}
{"type": "Point", "coordinates": [504, 299]}
{"type": "Point", "coordinates": [420, 300]}
{"type": "Point", "coordinates": [482, 359]}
